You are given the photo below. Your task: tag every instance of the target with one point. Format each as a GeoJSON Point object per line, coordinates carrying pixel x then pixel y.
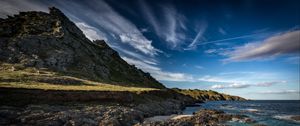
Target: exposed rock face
{"type": "Point", "coordinates": [51, 40]}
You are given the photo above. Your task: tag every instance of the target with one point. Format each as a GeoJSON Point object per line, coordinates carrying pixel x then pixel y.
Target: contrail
{"type": "Point", "coordinates": [233, 38]}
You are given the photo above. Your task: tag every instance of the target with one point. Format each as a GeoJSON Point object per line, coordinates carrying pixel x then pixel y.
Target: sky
{"type": "Point", "coordinates": [249, 48]}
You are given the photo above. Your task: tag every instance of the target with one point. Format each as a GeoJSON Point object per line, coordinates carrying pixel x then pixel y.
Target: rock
{"type": "Point", "coordinates": [296, 118]}
{"type": "Point", "coordinates": [70, 123]}
{"type": "Point", "coordinates": [51, 40]}
{"type": "Point", "coordinates": [193, 105]}
{"type": "Point", "coordinates": [12, 68]}
{"type": "Point", "coordinates": [202, 118]}
{"type": "Point", "coordinates": [110, 122]}
{"type": "Point", "coordinates": [118, 114]}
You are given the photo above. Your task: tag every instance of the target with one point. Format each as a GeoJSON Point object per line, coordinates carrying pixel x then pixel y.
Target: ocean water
{"type": "Point", "coordinates": [268, 112]}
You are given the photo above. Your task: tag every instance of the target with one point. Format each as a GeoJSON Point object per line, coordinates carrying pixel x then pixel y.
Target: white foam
{"type": "Point", "coordinates": [253, 105]}
{"type": "Point", "coordinates": [252, 110]}
{"type": "Point", "coordinates": [228, 107]}
{"type": "Point", "coordinates": [180, 116]}
{"type": "Point", "coordinates": [286, 117]}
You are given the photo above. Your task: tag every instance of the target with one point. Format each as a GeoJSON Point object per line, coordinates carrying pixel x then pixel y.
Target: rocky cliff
{"type": "Point", "coordinates": [52, 41]}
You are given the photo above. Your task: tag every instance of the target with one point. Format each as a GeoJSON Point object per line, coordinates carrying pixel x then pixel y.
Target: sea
{"type": "Point", "coordinates": [268, 112]}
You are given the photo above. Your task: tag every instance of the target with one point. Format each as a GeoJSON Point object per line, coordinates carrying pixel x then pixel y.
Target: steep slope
{"type": "Point", "coordinates": [51, 41]}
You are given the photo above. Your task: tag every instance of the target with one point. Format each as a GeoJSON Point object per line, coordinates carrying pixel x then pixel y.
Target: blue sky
{"type": "Point", "coordinates": [249, 48]}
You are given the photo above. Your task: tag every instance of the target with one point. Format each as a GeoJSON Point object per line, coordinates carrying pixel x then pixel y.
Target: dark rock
{"type": "Point", "coordinates": [296, 118]}
{"type": "Point", "coordinates": [193, 105]}
{"type": "Point", "coordinates": [201, 118]}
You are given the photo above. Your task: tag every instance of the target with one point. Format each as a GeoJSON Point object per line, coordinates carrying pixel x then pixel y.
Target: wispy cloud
{"type": "Point", "coordinates": [199, 67]}
{"type": "Point", "coordinates": [198, 37]}
{"type": "Point", "coordinates": [222, 31]}
{"type": "Point", "coordinates": [139, 42]}
{"type": "Point", "coordinates": [142, 65]}
{"type": "Point", "coordinates": [293, 60]}
{"type": "Point", "coordinates": [235, 85]}
{"type": "Point", "coordinates": [156, 72]}
{"type": "Point", "coordinates": [208, 78]}
{"type": "Point", "coordinates": [10, 7]}
{"type": "Point", "coordinates": [243, 85]}
{"type": "Point", "coordinates": [238, 73]}
{"type": "Point", "coordinates": [210, 51]}
{"type": "Point", "coordinates": [280, 92]}
{"type": "Point", "coordinates": [229, 39]}
{"type": "Point", "coordinates": [90, 32]}
{"type": "Point", "coordinates": [283, 43]}
{"type": "Point", "coordinates": [170, 28]}
{"type": "Point", "coordinates": [110, 20]}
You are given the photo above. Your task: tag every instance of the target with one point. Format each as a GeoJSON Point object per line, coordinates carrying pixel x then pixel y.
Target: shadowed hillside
{"type": "Point", "coordinates": [51, 41]}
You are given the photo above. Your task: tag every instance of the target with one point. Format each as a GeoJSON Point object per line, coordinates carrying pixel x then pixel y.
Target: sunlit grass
{"type": "Point", "coordinates": [46, 86]}
{"type": "Point", "coordinates": [29, 78]}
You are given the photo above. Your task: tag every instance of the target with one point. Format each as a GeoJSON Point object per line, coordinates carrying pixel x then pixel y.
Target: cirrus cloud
{"type": "Point", "coordinates": [170, 28]}
{"type": "Point", "coordinates": [280, 44]}
{"type": "Point", "coordinates": [157, 72]}
{"type": "Point", "coordinates": [280, 92]}
{"type": "Point", "coordinates": [90, 32]}
{"type": "Point", "coordinates": [243, 85]}
{"type": "Point", "coordinates": [235, 85]}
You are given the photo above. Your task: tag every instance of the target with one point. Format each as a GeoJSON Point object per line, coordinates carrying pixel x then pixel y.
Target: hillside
{"type": "Point", "coordinates": [207, 95]}
{"type": "Point", "coordinates": [50, 41]}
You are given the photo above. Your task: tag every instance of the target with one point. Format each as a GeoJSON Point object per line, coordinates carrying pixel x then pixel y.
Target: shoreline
{"type": "Point", "coordinates": [118, 108]}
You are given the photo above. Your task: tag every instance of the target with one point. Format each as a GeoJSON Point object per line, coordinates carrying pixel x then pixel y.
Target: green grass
{"type": "Point", "coordinates": [46, 86]}
{"type": "Point", "coordinates": [16, 76]}
{"type": "Point", "coordinates": [199, 94]}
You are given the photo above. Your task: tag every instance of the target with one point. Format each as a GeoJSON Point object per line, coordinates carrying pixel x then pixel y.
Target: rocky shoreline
{"type": "Point", "coordinates": [45, 107]}
{"type": "Point", "coordinates": [115, 108]}
{"type": "Point", "coordinates": [107, 115]}
{"type": "Point", "coordinates": [203, 117]}
{"type": "Point", "coordinates": [91, 114]}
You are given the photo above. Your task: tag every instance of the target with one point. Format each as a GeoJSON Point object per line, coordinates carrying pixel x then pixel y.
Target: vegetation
{"type": "Point", "coordinates": [206, 95]}
{"type": "Point", "coordinates": [17, 76]}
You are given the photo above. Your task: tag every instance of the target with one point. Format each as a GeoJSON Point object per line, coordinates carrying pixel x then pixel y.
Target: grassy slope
{"type": "Point", "coordinates": [207, 95]}
{"type": "Point", "coordinates": [16, 76]}
{"type": "Point", "coordinates": [22, 79]}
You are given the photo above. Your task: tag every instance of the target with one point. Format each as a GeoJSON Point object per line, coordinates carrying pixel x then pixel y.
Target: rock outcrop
{"type": "Point", "coordinates": [202, 118]}
{"type": "Point", "coordinates": [42, 107]}
{"type": "Point", "coordinates": [52, 41]}
{"type": "Point", "coordinates": [208, 95]}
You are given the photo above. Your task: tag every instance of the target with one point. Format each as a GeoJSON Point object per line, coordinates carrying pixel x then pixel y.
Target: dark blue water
{"type": "Point", "coordinates": [268, 112]}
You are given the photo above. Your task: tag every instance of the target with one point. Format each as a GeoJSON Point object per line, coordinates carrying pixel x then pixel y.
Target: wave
{"type": "Point", "coordinates": [253, 105]}
{"type": "Point", "coordinates": [227, 107]}
{"type": "Point", "coordinates": [252, 110]}
{"type": "Point", "coordinates": [294, 118]}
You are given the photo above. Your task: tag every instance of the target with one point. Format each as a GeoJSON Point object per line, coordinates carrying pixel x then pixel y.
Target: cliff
{"type": "Point", "coordinates": [51, 41]}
